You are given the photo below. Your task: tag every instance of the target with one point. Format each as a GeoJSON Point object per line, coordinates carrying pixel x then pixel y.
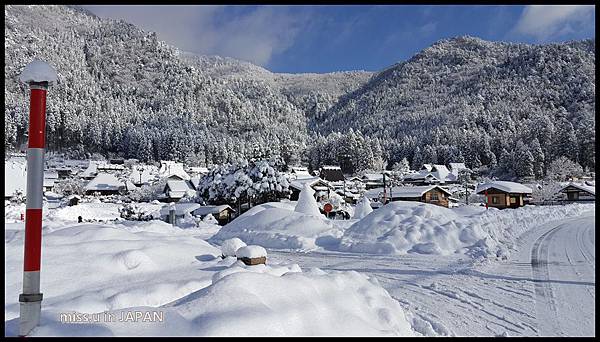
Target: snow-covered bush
{"type": "Point", "coordinates": [256, 181]}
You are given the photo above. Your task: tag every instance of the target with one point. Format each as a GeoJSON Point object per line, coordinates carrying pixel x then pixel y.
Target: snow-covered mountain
{"type": "Point", "coordinates": [124, 92]}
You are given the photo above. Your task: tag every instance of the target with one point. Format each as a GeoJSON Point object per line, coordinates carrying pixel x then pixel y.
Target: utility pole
{"type": "Point", "coordinates": [39, 76]}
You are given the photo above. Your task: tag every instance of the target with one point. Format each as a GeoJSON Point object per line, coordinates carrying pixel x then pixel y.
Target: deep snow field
{"type": "Point", "coordinates": [321, 276]}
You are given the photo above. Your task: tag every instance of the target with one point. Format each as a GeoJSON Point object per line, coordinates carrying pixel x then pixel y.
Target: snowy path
{"type": "Point", "coordinates": [563, 264]}
{"type": "Point", "coordinates": [545, 289]}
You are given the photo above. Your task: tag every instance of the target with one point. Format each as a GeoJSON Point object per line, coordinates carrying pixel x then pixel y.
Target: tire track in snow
{"type": "Point", "coordinates": [544, 296]}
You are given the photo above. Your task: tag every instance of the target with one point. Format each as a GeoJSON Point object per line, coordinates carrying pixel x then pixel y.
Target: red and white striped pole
{"type": "Point", "coordinates": [38, 75]}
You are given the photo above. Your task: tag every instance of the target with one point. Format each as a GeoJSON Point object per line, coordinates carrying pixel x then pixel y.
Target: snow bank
{"type": "Point", "coordinates": [413, 227]}
{"type": "Point", "coordinates": [97, 267]}
{"type": "Point", "coordinates": [252, 251]}
{"type": "Point", "coordinates": [262, 301]}
{"type": "Point", "coordinates": [275, 227]}
{"type": "Point", "coordinates": [230, 246]}
{"type": "Point", "coordinates": [88, 211]}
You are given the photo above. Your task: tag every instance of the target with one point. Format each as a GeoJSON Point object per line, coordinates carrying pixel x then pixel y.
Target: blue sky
{"type": "Point", "coordinates": [338, 38]}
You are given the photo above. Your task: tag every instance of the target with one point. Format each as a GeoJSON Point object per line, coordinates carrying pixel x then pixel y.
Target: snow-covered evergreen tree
{"type": "Point", "coordinates": [363, 208]}
{"type": "Point", "coordinates": [307, 204]}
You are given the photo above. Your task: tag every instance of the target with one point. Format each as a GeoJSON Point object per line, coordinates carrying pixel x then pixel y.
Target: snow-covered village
{"type": "Point", "coordinates": [159, 185]}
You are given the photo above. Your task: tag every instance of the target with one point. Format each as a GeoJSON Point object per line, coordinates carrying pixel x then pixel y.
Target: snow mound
{"type": "Point", "coordinates": [256, 301]}
{"type": "Point", "coordinates": [278, 228]}
{"type": "Point", "coordinates": [88, 211]}
{"type": "Point", "coordinates": [413, 227]}
{"type": "Point", "coordinates": [403, 227]}
{"type": "Point", "coordinates": [307, 204]}
{"type": "Point", "coordinates": [239, 266]}
{"type": "Point", "coordinates": [230, 246]}
{"type": "Point", "coordinates": [252, 251]}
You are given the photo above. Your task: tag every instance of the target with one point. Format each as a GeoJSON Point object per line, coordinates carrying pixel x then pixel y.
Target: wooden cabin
{"type": "Point", "coordinates": [502, 194]}
{"type": "Point", "coordinates": [223, 213]}
{"type": "Point", "coordinates": [432, 194]}
{"type": "Point", "coordinates": [574, 192]}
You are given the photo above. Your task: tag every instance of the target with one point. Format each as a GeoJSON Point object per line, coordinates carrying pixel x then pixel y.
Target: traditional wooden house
{"type": "Point", "coordinates": [574, 192]}
{"type": "Point", "coordinates": [331, 173]}
{"type": "Point", "coordinates": [104, 184]}
{"type": "Point", "coordinates": [432, 194]}
{"type": "Point", "coordinates": [170, 168]}
{"type": "Point", "coordinates": [502, 194]}
{"type": "Point", "coordinates": [300, 172]}
{"type": "Point", "coordinates": [223, 213]}
{"type": "Point", "coordinates": [176, 189]}
{"type": "Point", "coordinates": [372, 180]}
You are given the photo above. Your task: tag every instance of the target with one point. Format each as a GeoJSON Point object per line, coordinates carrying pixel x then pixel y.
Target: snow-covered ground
{"type": "Point", "coordinates": [544, 285]}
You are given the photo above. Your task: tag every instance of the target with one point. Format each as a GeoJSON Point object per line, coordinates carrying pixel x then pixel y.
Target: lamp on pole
{"type": "Point", "coordinates": [39, 76]}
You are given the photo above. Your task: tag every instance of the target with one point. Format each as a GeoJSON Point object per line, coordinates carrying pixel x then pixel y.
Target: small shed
{"type": "Point", "coordinates": [73, 200]}
{"type": "Point", "coordinates": [223, 213]}
{"type": "Point", "coordinates": [503, 194]}
{"type": "Point", "coordinates": [575, 192]}
{"type": "Point", "coordinates": [48, 184]}
{"type": "Point", "coordinates": [181, 210]}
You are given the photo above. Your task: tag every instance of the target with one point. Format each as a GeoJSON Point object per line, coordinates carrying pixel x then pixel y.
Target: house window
{"type": "Point", "coordinates": [513, 200]}
{"type": "Point", "coordinates": [495, 200]}
{"type": "Point", "coordinates": [434, 197]}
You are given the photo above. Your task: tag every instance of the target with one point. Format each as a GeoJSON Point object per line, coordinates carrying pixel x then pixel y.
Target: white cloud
{"type": "Point", "coordinates": [254, 36]}
{"type": "Point", "coordinates": [554, 21]}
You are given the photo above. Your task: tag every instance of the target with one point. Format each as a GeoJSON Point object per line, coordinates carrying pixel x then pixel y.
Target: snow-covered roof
{"type": "Point", "coordinates": [330, 167]}
{"type": "Point", "coordinates": [403, 191]}
{"type": "Point", "coordinates": [299, 183]}
{"type": "Point", "coordinates": [211, 209]}
{"type": "Point", "coordinates": [456, 167]}
{"type": "Point", "coordinates": [50, 174]}
{"type": "Point", "coordinates": [198, 169]}
{"type": "Point", "coordinates": [426, 167]}
{"type": "Point", "coordinates": [15, 177]}
{"type": "Point", "coordinates": [178, 185]}
{"type": "Point", "coordinates": [440, 172]}
{"type": "Point", "coordinates": [109, 166]}
{"type": "Point", "coordinates": [583, 187]}
{"type": "Point", "coordinates": [195, 181]}
{"type": "Point", "coordinates": [139, 178]}
{"type": "Point", "coordinates": [510, 187]}
{"type": "Point", "coordinates": [38, 71]}
{"type": "Point", "coordinates": [91, 170]}
{"type": "Point", "coordinates": [103, 182]}
{"type": "Point", "coordinates": [48, 182]}
{"type": "Point", "coordinates": [129, 186]}
{"type": "Point", "coordinates": [180, 208]}
{"type": "Point", "coordinates": [373, 177]}
{"type": "Point", "coordinates": [170, 168]}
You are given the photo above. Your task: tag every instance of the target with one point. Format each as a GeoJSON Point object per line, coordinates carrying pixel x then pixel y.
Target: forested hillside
{"type": "Point", "coordinates": [521, 106]}
{"type": "Point", "coordinates": [511, 108]}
